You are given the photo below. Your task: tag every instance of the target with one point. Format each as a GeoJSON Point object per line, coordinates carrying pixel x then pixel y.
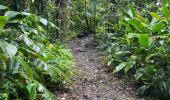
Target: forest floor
{"type": "Point", "coordinates": [94, 81]}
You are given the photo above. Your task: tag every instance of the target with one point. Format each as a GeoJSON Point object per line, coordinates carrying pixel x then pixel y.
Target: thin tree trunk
{"type": "Point", "coordinates": [62, 19]}
{"type": "Point", "coordinates": [94, 19]}
{"type": "Point", "coordinates": [86, 18]}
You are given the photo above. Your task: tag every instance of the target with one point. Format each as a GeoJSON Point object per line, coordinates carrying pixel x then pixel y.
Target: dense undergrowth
{"type": "Point", "coordinates": [28, 61]}
{"type": "Point", "coordinates": [140, 48]}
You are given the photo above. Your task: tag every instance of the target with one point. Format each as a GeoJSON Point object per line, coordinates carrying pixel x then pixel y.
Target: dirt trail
{"type": "Point", "coordinates": [94, 82]}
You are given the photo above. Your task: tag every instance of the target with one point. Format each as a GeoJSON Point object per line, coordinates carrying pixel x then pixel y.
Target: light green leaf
{"type": "Point", "coordinates": [151, 55]}
{"type": "Point", "coordinates": [9, 49]}
{"type": "Point", "coordinates": [3, 20]}
{"type": "Point", "coordinates": [43, 20]}
{"type": "Point", "coordinates": [53, 25]}
{"type": "Point", "coordinates": [120, 67]}
{"type": "Point", "coordinates": [166, 11]}
{"type": "Point", "coordinates": [155, 16]}
{"type": "Point", "coordinates": [122, 53]}
{"type": "Point", "coordinates": [3, 7]}
{"type": "Point", "coordinates": [131, 11]}
{"type": "Point", "coordinates": [137, 25]}
{"type": "Point", "coordinates": [157, 26]}
{"type": "Point", "coordinates": [32, 91]}
{"type": "Point", "coordinates": [12, 14]}
{"type": "Point", "coordinates": [26, 13]}
{"type": "Point", "coordinates": [144, 40]}
{"type": "Point", "coordinates": [27, 41]}
{"type": "Point", "coordinates": [132, 35]}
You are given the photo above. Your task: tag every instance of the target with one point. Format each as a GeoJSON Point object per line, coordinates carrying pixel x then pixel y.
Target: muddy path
{"type": "Point", "coordinates": [93, 81]}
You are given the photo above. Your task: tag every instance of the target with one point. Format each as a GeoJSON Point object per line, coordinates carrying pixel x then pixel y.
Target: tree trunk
{"type": "Point", "coordinates": [86, 18]}
{"type": "Point", "coordinates": [62, 19]}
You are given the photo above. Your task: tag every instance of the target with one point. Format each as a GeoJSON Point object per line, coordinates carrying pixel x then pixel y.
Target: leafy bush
{"type": "Point", "coordinates": [28, 63]}
{"type": "Point", "coordinates": [142, 50]}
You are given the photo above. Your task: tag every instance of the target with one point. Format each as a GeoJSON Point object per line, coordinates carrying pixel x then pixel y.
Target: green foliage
{"type": "Point", "coordinates": [28, 61]}
{"type": "Point", "coordinates": [140, 49]}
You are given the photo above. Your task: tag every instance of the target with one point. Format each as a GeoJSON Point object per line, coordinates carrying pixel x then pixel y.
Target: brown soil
{"type": "Point", "coordinates": [94, 82]}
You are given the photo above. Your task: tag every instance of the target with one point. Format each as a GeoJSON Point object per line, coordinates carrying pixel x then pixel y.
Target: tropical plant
{"type": "Point", "coordinates": [141, 50]}
{"type": "Point", "coordinates": [26, 65]}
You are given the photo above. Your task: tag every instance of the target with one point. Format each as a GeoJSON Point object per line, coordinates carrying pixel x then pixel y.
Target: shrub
{"type": "Point", "coordinates": [27, 64]}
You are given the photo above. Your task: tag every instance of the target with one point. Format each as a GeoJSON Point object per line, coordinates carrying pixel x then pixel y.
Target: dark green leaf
{"type": "Point", "coordinates": [142, 89]}
{"type": "Point", "coordinates": [139, 73]}
{"type": "Point", "coordinates": [12, 14]}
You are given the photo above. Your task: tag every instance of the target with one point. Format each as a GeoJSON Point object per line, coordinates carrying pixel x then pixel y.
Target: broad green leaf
{"type": "Point", "coordinates": [129, 65]}
{"type": "Point", "coordinates": [137, 25]}
{"type": "Point", "coordinates": [41, 64]}
{"type": "Point", "coordinates": [144, 40]}
{"type": "Point", "coordinates": [46, 95]}
{"type": "Point", "coordinates": [25, 66]}
{"type": "Point", "coordinates": [32, 91]}
{"type": "Point", "coordinates": [9, 49]}
{"type": "Point", "coordinates": [155, 16]}
{"type": "Point", "coordinates": [3, 7]}
{"type": "Point", "coordinates": [12, 14]}
{"type": "Point", "coordinates": [30, 43]}
{"type": "Point", "coordinates": [28, 52]}
{"type": "Point", "coordinates": [43, 21]}
{"type": "Point", "coordinates": [120, 67]}
{"type": "Point", "coordinates": [26, 13]}
{"type": "Point", "coordinates": [139, 73]}
{"type": "Point", "coordinates": [3, 20]}
{"type": "Point", "coordinates": [157, 26]}
{"type": "Point", "coordinates": [166, 11]}
{"type": "Point", "coordinates": [27, 41]}
{"type": "Point", "coordinates": [14, 66]}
